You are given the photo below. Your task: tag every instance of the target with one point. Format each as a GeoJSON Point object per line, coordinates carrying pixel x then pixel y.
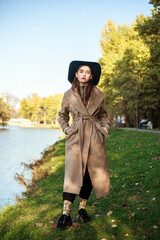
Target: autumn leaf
{"type": "Point", "coordinates": [132, 215]}
{"type": "Point", "coordinates": [124, 204]}
{"type": "Point", "coordinates": [109, 213]}
{"type": "Point", "coordinates": [51, 222]}
{"type": "Point", "coordinates": [76, 224]}
{"type": "Point", "coordinates": [39, 224]}
{"type": "Point", "coordinates": [54, 226]}
{"type": "Point", "coordinates": [155, 227]}
{"type": "Point", "coordinates": [114, 226]}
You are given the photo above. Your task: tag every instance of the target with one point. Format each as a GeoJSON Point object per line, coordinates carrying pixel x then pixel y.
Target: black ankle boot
{"type": "Point", "coordinates": [83, 215]}
{"type": "Point", "coordinates": [64, 222]}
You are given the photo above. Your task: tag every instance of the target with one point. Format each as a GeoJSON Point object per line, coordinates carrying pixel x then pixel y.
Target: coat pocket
{"type": "Point", "coordinates": [102, 130]}
{"type": "Point", "coordinates": [74, 130]}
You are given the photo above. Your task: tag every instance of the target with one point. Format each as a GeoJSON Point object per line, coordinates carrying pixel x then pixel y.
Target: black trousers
{"type": "Point", "coordinates": [85, 190]}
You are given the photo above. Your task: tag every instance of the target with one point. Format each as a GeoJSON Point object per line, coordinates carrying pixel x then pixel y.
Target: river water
{"type": "Point", "coordinates": [18, 145]}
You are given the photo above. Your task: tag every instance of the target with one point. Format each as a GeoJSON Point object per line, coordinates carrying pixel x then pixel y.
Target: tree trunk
{"type": "Point", "coordinates": [44, 117]}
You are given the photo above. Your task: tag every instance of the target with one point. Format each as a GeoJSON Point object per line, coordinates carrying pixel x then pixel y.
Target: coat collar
{"type": "Point", "coordinates": [95, 100]}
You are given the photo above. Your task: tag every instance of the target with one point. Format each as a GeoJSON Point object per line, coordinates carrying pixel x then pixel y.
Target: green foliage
{"type": "Point", "coordinates": [129, 73]}
{"type": "Point", "coordinates": [5, 110]}
{"type": "Point", "coordinates": [131, 68]}
{"type": "Point", "coordinates": [131, 211]}
{"type": "Point", "coordinates": [149, 29]}
{"type": "Point", "coordinates": [41, 109]}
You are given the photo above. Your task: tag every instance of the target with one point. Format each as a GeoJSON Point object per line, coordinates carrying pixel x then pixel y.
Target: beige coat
{"type": "Point", "coordinates": [85, 144]}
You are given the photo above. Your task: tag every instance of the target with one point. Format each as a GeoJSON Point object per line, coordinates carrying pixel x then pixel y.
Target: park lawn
{"type": "Point", "coordinates": [131, 211]}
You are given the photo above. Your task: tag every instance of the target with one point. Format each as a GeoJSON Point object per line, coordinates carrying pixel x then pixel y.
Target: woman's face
{"type": "Point", "coordinates": [83, 75]}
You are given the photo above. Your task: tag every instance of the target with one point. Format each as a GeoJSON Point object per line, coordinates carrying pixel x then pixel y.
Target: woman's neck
{"type": "Point", "coordinates": [83, 84]}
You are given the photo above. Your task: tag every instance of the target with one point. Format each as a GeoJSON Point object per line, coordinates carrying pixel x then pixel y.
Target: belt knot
{"type": "Point", "coordinates": [92, 118]}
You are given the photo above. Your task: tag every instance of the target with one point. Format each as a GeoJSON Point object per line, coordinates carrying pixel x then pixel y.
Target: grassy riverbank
{"type": "Point", "coordinates": [131, 211]}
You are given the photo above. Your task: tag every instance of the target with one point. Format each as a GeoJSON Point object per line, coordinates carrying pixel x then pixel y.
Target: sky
{"type": "Point", "coordinates": [39, 38]}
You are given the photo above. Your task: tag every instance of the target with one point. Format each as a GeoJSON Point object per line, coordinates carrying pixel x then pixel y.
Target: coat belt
{"type": "Point", "coordinates": [96, 122]}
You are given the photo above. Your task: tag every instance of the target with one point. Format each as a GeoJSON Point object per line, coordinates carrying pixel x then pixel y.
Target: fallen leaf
{"type": "Point", "coordinates": [95, 203]}
{"type": "Point", "coordinates": [76, 224]}
{"type": "Point", "coordinates": [132, 215]}
{"type": "Point", "coordinates": [144, 208]}
{"type": "Point", "coordinates": [39, 224]}
{"type": "Point", "coordinates": [51, 222]}
{"type": "Point", "coordinates": [109, 213]}
{"type": "Point", "coordinates": [113, 220]}
{"type": "Point", "coordinates": [124, 204]}
{"type": "Point", "coordinates": [114, 226]}
{"type": "Point", "coordinates": [155, 227]}
{"type": "Point", "coordinates": [54, 226]}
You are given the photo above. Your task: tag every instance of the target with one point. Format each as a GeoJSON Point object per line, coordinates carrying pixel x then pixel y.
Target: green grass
{"type": "Point", "coordinates": [134, 162]}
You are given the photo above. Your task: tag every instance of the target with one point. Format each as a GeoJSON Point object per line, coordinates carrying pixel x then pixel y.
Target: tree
{"type": "Point", "coordinates": [24, 108]}
{"type": "Point", "coordinates": [114, 42]}
{"type": "Point", "coordinates": [4, 111]}
{"type": "Point", "coordinates": [54, 104]}
{"type": "Point", "coordinates": [41, 109]}
{"type": "Point", "coordinates": [131, 68]}
{"type": "Point", "coordinates": [129, 74]}
{"type": "Point", "coordinates": [149, 30]}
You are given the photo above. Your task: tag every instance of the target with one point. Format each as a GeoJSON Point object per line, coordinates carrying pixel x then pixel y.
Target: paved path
{"type": "Point", "coordinates": [141, 130]}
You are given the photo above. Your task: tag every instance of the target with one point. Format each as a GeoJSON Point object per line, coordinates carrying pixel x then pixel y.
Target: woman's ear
{"type": "Point", "coordinates": [91, 76]}
{"type": "Point", "coordinates": [76, 74]}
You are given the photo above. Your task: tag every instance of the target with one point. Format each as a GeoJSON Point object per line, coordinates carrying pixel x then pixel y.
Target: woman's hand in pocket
{"type": "Point", "coordinates": [69, 131]}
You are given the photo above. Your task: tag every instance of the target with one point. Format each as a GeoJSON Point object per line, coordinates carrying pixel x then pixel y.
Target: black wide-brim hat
{"type": "Point", "coordinates": [95, 69]}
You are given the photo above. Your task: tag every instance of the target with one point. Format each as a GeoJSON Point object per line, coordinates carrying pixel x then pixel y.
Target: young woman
{"type": "Point", "coordinates": [86, 164]}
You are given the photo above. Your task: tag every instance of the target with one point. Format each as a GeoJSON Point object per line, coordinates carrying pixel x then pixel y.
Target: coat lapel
{"type": "Point", "coordinates": [75, 100]}
{"type": "Point", "coordinates": [94, 101]}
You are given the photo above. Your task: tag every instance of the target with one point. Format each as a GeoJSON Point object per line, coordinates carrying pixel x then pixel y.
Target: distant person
{"type": "Point", "coordinates": [86, 164]}
{"type": "Point", "coordinates": [118, 120]}
{"type": "Point", "coordinates": [142, 122]}
{"type": "Point", "coordinates": [123, 120]}
{"type": "Point", "coordinates": [114, 122]}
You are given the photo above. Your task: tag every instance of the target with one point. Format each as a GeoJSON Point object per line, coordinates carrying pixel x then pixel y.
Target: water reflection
{"type": "Point", "coordinates": [20, 145]}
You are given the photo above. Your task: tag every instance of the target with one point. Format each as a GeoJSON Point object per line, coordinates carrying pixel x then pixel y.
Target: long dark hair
{"type": "Point", "coordinates": [89, 87]}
